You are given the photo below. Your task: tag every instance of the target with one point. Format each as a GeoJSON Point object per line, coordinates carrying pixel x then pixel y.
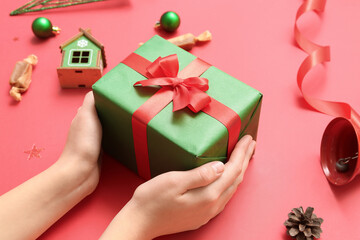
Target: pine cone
{"type": "Point", "coordinates": [303, 226]}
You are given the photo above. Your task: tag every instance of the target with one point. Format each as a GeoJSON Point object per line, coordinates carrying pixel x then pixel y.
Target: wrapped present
{"type": "Point", "coordinates": [164, 109]}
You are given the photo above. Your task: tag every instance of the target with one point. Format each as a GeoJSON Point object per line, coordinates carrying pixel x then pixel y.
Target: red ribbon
{"type": "Point", "coordinates": [185, 89]}
{"type": "Point", "coordinates": [188, 92]}
{"type": "Point", "coordinates": [317, 55]}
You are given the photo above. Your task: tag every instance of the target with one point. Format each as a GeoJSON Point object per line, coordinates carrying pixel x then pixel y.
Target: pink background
{"type": "Point", "coordinates": [252, 41]}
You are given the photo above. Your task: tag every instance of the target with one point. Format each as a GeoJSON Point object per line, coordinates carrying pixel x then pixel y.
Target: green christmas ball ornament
{"type": "Point", "coordinates": [42, 28]}
{"type": "Point", "coordinates": [169, 21]}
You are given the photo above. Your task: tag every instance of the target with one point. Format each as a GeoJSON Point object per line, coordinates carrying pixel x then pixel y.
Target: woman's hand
{"type": "Point", "coordinates": [82, 149]}
{"type": "Point", "coordinates": [29, 209]}
{"type": "Point", "coordinates": [180, 201]}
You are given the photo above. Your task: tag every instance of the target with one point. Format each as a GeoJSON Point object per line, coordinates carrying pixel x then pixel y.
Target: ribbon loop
{"type": "Point", "coordinates": [164, 67]}
{"type": "Point", "coordinates": [188, 92]}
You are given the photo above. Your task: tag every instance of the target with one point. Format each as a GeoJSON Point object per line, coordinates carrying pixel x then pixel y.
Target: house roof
{"type": "Point", "coordinates": [86, 33]}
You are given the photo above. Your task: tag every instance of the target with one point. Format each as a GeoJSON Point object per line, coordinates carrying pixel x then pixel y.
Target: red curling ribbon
{"type": "Point", "coordinates": [317, 55]}
{"type": "Point", "coordinates": [309, 5]}
{"type": "Point", "coordinates": [332, 146]}
{"type": "Point", "coordinates": [184, 91]}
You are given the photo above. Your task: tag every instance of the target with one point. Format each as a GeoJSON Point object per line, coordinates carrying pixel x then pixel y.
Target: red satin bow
{"type": "Point", "coordinates": [188, 92]}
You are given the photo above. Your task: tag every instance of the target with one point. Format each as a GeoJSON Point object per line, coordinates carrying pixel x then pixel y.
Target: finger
{"type": "Point", "coordinates": [89, 102]}
{"type": "Point", "coordinates": [228, 193]}
{"type": "Point", "coordinates": [215, 191]}
{"type": "Point", "coordinates": [245, 165]}
{"type": "Point", "coordinates": [240, 148]}
{"type": "Point", "coordinates": [202, 176]}
{"type": "Point", "coordinates": [233, 167]}
{"type": "Point", "coordinates": [88, 106]}
{"type": "Point", "coordinates": [251, 149]}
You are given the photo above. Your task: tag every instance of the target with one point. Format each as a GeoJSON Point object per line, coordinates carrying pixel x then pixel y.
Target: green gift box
{"type": "Point", "coordinates": [179, 140]}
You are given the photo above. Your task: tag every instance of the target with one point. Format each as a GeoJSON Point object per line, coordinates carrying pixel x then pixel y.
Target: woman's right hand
{"type": "Point", "coordinates": [180, 201]}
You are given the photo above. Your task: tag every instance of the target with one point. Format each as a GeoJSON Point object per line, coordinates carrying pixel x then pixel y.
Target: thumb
{"type": "Point", "coordinates": [89, 101]}
{"type": "Point", "coordinates": [203, 175]}
{"type": "Point", "coordinates": [88, 106]}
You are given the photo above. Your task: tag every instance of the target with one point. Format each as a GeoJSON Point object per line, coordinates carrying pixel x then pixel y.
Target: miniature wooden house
{"type": "Point", "coordinates": [83, 60]}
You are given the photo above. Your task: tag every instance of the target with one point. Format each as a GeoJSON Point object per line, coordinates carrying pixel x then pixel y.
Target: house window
{"type": "Point", "coordinates": [80, 57]}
